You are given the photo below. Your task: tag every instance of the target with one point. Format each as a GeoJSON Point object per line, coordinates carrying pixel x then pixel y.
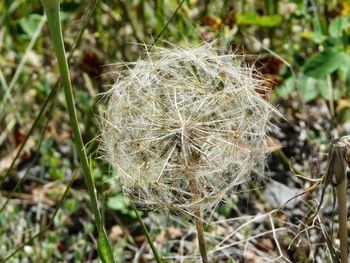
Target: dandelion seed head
{"type": "Point", "coordinates": [185, 126]}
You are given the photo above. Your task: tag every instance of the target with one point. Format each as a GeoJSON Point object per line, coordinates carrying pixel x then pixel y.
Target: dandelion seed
{"type": "Point", "coordinates": [185, 126]}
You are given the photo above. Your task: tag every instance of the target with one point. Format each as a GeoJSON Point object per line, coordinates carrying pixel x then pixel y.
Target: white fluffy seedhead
{"type": "Point", "coordinates": [185, 126]}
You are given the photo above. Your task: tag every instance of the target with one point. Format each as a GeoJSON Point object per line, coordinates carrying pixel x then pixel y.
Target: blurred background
{"type": "Point", "coordinates": [300, 47]}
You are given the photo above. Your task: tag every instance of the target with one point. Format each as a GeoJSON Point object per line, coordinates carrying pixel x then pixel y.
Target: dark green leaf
{"type": "Point", "coordinates": [120, 204]}
{"type": "Point", "coordinates": [30, 24]}
{"type": "Point", "coordinates": [287, 88]}
{"type": "Point", "coordinates": [337, 26]}
{"type": "Point", "coordinates": [117, 203]}
{"type": "Point", "coordinates": [319, 38]}
{"type": "Point", "coordinates": [316, 37]}
{"type": "Point", "coordinates": [323, 88]}
{"type": "Point", "coordinates": [308, 88]}
{"type": "Point", "coordinates": [104, 248]}
{"type": "Point", "coordinates": [326, 62]}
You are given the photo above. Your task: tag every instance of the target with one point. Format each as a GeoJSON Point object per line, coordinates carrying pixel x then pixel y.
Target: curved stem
{"type": "Point", "coordinates": [52, 11]}
{"type": "Point", "coordinates": [145, 231]}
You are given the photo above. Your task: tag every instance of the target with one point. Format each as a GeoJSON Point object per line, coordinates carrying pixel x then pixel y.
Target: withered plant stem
{"type": "Point", "coordinates": [198, 218]}
{"type": "Point", "coordinates": [341, 149]}
{"type": "Point", "coordinates": [342, 214]}
{"type": "Point", "coordinates": [200, 236]}
{"type": "Point", "coordinates": [338, 163]}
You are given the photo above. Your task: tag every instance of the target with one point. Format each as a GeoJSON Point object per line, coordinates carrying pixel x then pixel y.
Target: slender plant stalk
{"type": "Point", "coordinates": [9, 10]}
{"type": "Point", "coordinates": [52, 11]}
{"type": "Point", "coordinates": [288, 162]}
{"type": "Point", "coordinates": [271, 10]}
{"type": "Point", "coordinates": [200, 235]}
{"type": "Point", "coordinates": [49, 98]}
{"type": "Point", "coordinates": [143, 17]}
{"type": "Point", "coordinates": [341, 148]}
{"type": "Point", "coordinates": [338, 161]}
{"type": "Point", "coordinates": [342, 215]}
{"type": "Point", "coordinates": [206, 7]}
{"type": "Point", "coordinates": [168, 22]}
{"type": "Point", "coordinates": [143, 226]}
{"type": "Point", "coordinates": [20, 67]}
{"type": "Point", "coordinates": [85, 23]}
{"type": "Point", "coordinates": [198, 218]}
{"type": "Point", "coordinates": [145, 231]}
{"type": "Point", "coordinates": [129, 18]}
{"type": "Point", "coordinates": [159, 10]}
{"type": "Point", "coordinates": [331, 99]}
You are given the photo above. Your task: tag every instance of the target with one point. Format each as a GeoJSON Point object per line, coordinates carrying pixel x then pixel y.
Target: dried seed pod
{"type": "Point", "coordinates": [185, 126]}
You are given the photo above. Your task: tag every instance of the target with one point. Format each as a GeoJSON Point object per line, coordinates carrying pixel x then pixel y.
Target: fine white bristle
{"type": "Point", "coordinates": [185, 116]}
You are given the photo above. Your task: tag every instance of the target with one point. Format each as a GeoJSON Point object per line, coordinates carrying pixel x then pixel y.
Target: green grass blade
{"type": "Point", "coordinates": [82, 29]}
{"type": "Point", "coordinates": [52, 11]}
{"type": "Point", "coordinates": [159, 6]}
{"type": "Point", "coordinates": [22, 63]}
{"type": "Point", "coordinates": [49, 98]}
{"type": "Point", "coordinates": [10, 10]}
{"type": "Point", "coordinates": [104, 247]}
{"type": "Point", "coordinates": [149, 239]}
{"type": "Point", "coordinates": [168, 22]}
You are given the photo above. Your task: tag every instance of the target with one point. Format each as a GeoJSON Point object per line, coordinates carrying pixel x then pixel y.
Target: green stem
{"type": "Point", "coordinates": [271, 8]}
{"type": "Point", "coordinates": [52, 11]}
{"type": "Point", "coordinates": [159, 9]}
{"type": "Point", "coordinates": [145, 231]}
{"type": "Point", "coordinates": [168, 22]}
{"type": "Point", "coordinates": [288, 162]}
{"type": "Point", "coordinates": [82, 29]}
{"type": "Point", "coordinates": [331, 100]}
{"type": "Point", "coordinates": [43, 109]}
{"type": "Point", "coordinates": [21, 65]}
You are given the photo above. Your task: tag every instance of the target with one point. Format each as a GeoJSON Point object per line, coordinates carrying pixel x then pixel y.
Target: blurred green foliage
{"type": "Point", "coordinates": [311, 36]}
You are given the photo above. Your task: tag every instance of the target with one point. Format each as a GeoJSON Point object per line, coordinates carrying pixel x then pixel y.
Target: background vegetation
{"type": "Point", "coordinates": [301, 48]}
